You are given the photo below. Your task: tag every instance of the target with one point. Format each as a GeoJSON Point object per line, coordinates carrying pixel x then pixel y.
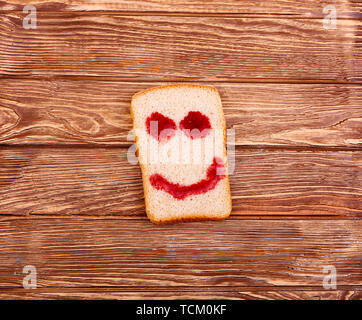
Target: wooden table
{"type": "Point", "coordinates": [72, 206]}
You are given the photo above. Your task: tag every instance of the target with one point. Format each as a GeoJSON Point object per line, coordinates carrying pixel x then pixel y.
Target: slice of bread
{"type": "Point", "coordinates": [184, 168]}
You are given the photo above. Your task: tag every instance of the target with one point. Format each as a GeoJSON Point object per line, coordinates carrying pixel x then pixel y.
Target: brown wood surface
{"type": "Point", "coordinates": [71, 204]}
{"type": "Point", "coordinates": [179, 293]}
{"type": "Point", "coordinates": [88, 181]}
{"type": "Point", "coordinates": [97, 112]}
{"type": "Point", "coordinates": [289, 8]}
{"type": "Point", "coordinates": [111, 252]}
{"type": "Point", "coordinates": [173, 48]}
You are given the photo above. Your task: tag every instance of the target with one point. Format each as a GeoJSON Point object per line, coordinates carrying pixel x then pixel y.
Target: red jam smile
{"type": "Point", "coordinates": [195, 125]}
{"type": "Point", "coordinates": [160, 127]}
{"type": "Point", "coordinates": [214, 174]}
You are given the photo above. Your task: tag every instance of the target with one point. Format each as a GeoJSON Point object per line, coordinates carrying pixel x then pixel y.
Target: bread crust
{"type": "Point", "coordinates": [204, 216]}
{"type": "Point", "coordinates": [174, 85]}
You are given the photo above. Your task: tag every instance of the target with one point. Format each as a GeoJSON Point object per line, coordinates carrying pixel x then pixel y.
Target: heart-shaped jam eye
{"type": "Point", "coordinates": [160, 127]}
{"type": "Point", "coordinates": [195, 125]}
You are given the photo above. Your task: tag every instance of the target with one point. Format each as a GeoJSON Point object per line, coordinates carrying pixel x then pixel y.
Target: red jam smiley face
{"type": "Point", "coordinates": [214, 174]}
{"type": "Point", "coordinates": [160, 127]}
{"type": "Point", "coordinates": [195, 125]}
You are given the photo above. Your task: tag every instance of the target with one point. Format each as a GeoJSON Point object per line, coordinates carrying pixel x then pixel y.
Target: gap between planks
{"type": "Point", "coordinates": [72, 77]}
{"type": "Point", "coordinates": [218, 288]}
{"type": "Point", "coordinates": [201, 288]}
{"type": "Point", "coordinates": [260, 147]}
{"type": "Point", "coordinates": [351, 16]}
{"type": "Point", "coordinates": [271, 217]}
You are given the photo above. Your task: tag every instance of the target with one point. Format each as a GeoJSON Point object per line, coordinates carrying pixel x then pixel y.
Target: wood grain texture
{"type": "Point", "coordinates": [100, 181]}
{"type": "Point", "coordinates": [98, 112]}
{"type": "Point", "coordinates": [72, 205]}
{"type": "Point", "coordinates": [169, 48]}
{"type": "Point", "coordinates": [88, 252]}
{"type": "Point", "coordinates": [290, 8]}
{"type": "Point", "coordinates": [179, 293]}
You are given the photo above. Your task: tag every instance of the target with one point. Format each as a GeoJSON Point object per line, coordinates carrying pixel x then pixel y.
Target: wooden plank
{"type": "Point", "coordinates": [173, 48]}
{"type": "Point", "coordinates": [135, 293]}
{"type": "Point", "coordinates": [88, 252]}
{"type": "Point", "coordinates": [100, 181]}
{"type": "Point", "coordinates": [97, 112]}
{"type": "Point", "coordinates": [292, 8]}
